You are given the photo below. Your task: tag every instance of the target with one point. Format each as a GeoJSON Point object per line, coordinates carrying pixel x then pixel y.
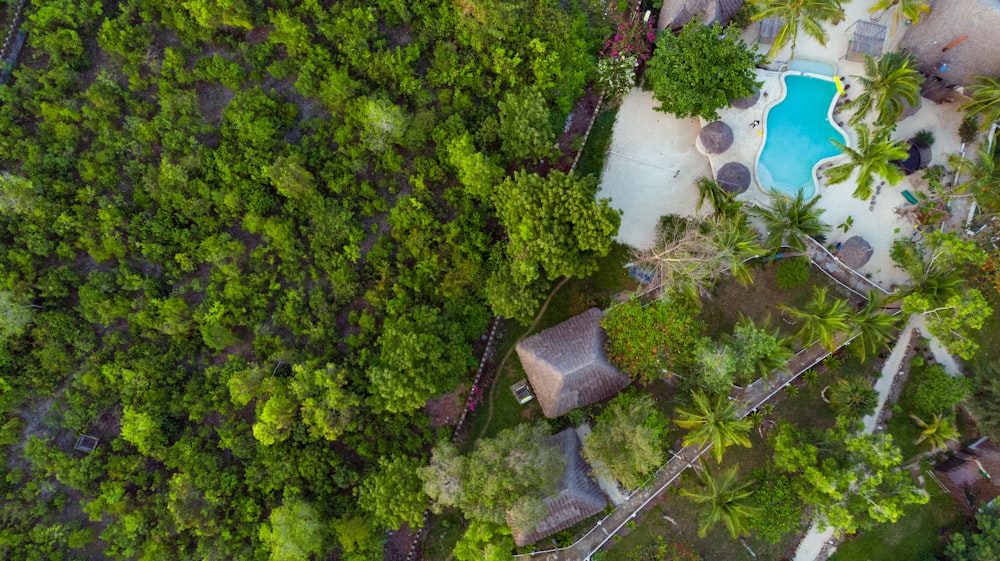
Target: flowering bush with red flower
{"type": "Point", "coordinates": [643, 341]}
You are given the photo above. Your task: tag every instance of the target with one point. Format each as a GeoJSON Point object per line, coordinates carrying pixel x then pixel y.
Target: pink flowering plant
{"type": "Point", "coordinates": [633, 37]}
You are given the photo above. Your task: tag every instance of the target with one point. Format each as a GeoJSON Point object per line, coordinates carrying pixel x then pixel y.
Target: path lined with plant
{"type": "Point", "coordinates": [750, 398]}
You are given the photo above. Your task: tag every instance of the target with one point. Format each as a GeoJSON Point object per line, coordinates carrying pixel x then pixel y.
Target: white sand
{"type": "Point", "coordinates": [651, 168]}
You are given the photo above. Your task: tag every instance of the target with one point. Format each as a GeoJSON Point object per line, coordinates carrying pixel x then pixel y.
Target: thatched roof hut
{"type": "Point", "coordinates": [578, 496]}
{"type": "Point", "coordinates": [715, 138]}
{"type": "Point", "coordinates": [748, 101]}
{"type": "Point", "coordinates": [567, 367]}
{"type": "Point", "coordinates": [734, 177]}
{"type": "Point", "coordinates": [675, 14]}
{"type": "Point", "coordinates": [956, 41]}
{"type": "Point", "coordinates": [970, 475]}
{"type": "Point", "coordinates": [855, 252]}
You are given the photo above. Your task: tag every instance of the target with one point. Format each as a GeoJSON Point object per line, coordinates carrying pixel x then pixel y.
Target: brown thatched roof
{"type": "Point", "coordinates": [949, 21]}
{"type": "Point", "coordinates": [734, 177]}
{"type": "Point", "coordinates": [675, 14]}
{"type": "Point", "coordinates": [567, 367]}
{"type": "Point", "coordinates": [715, 138]}
{"type": "Point", "coordinates": [577, 498]}
{"type": "Point", "coordinates": [855, 252]}
{"type": "Point", "coordinates": [970, 475]}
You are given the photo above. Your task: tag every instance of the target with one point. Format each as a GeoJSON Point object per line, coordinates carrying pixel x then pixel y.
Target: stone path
{"type": "Point", "coordinates": [819, 545]}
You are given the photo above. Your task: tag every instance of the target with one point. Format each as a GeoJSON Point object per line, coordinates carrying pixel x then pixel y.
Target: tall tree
{"type": "Point", "coordinates": [724, 203]}
{"type": "Point", "coordinates": [852, 480]}
{"type": "Point", "coordinates": [874, 156]}
{"type": "Point", "coordinates": [525, 131]}
{"type": "Point", "coordinates": [822, 319]}
{"type": "Point", "coordinates": [890, 83]}
{"type": "Point", "coordinates": [724, 498]}
{"type": "Point", "coordinates": [393, 494]}
{"type": "Point", "coordinates": [985, 101]}
{"type": "Point", "coordinates": [982, 544]}
{"type": "Point", "coordinates": [714, 422]}
{"type": "Point", "coordinates": [799, 15]}
{"type": "Point", "coordinates": [293, 532]}
{"type": "Point", "coordinates": [628, 440]}
{"type": "Point", "coordinates": [700, 70]}
{"type": "Point", "coordinates": [759, 349]}
{"type": "Point", "coordinates": [647, 342]}
{"type": "Point", "coordinates": [789, 221]}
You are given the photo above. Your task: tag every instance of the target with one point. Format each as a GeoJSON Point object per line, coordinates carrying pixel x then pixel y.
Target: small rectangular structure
{"type": "Point", "coordinates": [86, 443]}
{"type": "Point", "coordinates": [869, 39]}
{"type": "Point", "coordinates": [522, 392]}
{"type": "Point", "coordinates": [769, 28]}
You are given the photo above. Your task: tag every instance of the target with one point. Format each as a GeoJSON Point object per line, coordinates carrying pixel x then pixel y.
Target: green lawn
{"type": "Point", "coordinates": [915, 537]}
{"type": "Point", "coordinates": [592, 158]}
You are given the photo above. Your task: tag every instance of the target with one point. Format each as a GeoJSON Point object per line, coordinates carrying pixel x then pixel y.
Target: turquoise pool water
{"type": "Point", "coordinates": [798, 133]}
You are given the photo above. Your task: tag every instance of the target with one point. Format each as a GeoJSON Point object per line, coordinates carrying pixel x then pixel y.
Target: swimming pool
{"type": "Point", "coordinates": [798, 131]}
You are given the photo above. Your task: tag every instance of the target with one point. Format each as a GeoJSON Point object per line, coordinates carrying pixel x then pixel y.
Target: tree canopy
{"type": "Point", "coordinates": [700, 70]}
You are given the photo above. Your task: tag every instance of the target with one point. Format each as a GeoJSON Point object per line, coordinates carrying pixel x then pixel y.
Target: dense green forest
{"type": "Point", "coordinates": [245, 241]}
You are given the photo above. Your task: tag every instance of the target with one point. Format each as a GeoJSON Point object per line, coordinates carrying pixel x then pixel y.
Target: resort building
{"type": "Point", "coordinates": [968, 475]}
{"type": "Point", "coordinates": [954, 43]}
{"type": "Point", "coordinates": [675, 14]}
{"type": "Point", "coordinates": [567, 367]}
{"type": "Point", "coordinates": [577, 498]}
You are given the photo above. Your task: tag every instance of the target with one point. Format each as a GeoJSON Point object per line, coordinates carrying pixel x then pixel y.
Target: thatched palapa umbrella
{"type": "Point", "coordinates": [855, 252]}
{"type": "Point", "coordinates": [734, 177]}
{"type": "Point", "coordinates": [715, 138]}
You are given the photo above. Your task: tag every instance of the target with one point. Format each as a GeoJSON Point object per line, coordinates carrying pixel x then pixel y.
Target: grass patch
{"type": "Point", "coordinates": [443, 532]}
{"type": "Point", "coordinates": [918, 535]}
{"type": "Point", "coordinates": [759, 300]}
{"type": "Point", "coordinates": [598, 143]}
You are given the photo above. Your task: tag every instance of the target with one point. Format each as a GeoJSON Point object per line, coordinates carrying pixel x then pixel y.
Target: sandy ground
{"type": "Point", "coordinates": [651, 168]}
{"type": "Point", "coordinates": [653, 163]}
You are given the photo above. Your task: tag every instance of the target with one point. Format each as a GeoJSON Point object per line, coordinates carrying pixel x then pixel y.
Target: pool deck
{"type": "Point", "coordinates": [653, 164]}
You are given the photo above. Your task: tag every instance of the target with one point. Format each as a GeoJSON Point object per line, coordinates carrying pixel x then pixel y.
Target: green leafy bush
{"type": "Point", "coordinates": [937, 392]}
{"type": "Point", "coordinates": [774, 495]}
{"type": "Point", "coordinates": [792, 272]}
{"type": "Point", "coordinates": [645, 341]}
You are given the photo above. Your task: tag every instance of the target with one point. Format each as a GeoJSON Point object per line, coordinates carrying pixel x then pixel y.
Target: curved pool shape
{"type": "Point", "coordinates": [798, 131]}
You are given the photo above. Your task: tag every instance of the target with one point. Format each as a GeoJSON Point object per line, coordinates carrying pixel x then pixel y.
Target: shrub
{"type": "Point", "coordinates": [924, 137]}
{"type": "Point", "coordinates": [968, 129]}
{"type": "Point", "coordinates": [792, 272]}
{"type": "Point", "coordinates": [774, 495]}
{"type": "Point", "coordinates": [937, 393]}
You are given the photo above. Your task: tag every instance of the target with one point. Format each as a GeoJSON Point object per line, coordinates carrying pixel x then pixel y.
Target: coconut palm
{"type": "Point", "coordinates": [790, 221]}
{"type": "Point", "coordinates": [822, 319]}
{"type": "Point", "coordinates": [725, 500]}
{"type": "Point", "coordinates": [724, 205]}
{"type": "Point", "coordinates": [937, 432]}
{"type": "Point", "coordinates": [985, 100]}
{"type": "Point", "coordinates": [796, 15]}
{"type": "Point", "coordinates": [983, 177]}
{"type": "Point", "coordinates": [874, 156]}
{"type": "Point", "coordinates": [852, 397]}
{"type": "Point", "coordinates": [874, 326]}
{"type": "Point", "coordinates": [761, 349]}
{"type": "Point", "coordinates": [890, 83]}
{"type": "Point", "coordinates": [736, 242]}
{"type": "Point", "coordinates": [910, 9]}
{"type": "Point", "coordinates": [714, 422]}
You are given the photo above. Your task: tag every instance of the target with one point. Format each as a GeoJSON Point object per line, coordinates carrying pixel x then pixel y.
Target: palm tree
{"type": "Point", "coordinates": [821, 320]}
{"type": "Point", "coordinates": [983, 174]}
{"type": "Point", "coordinates": [761, 348]}
{"type": "Point", "coordinates": [807, 15]}
{"type": "Point", "coordinates": [736, 241]}
{"type": "Point", "coordinates": [874, 156]}
{"type": "Point", "coordinates": [852, 397]}
{"type": "Point", "coordinates": [911, 9]}
{"type": "Point", "coordinates": [725, 499]}
{"type": "Point", "coordinates": [714, 422]}
{"type": "Point", "coordinates": [889, 83]}
{"type": "Point", "coordinates": [875, 327]}
{"type": "Point", "coordinates": [790, 221]}
{"type": "Point", "coordinates": [723, 203]}
{"type": "Point", "coordinates": [985, 100]}
{"type": "Point", "coordinates": [937, 432]}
